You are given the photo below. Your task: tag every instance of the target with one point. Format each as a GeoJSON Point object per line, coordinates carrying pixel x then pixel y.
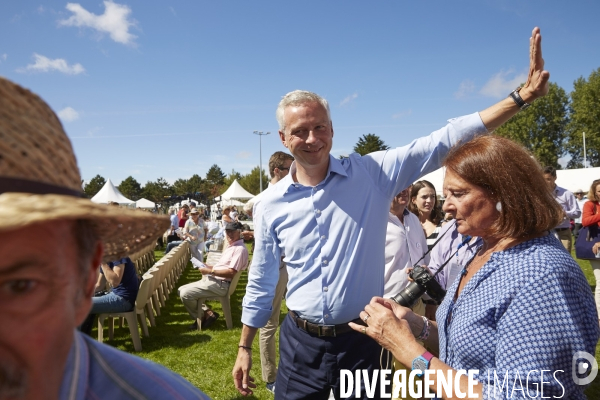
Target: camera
{"type": "Point", "coordinates": [423, 282]}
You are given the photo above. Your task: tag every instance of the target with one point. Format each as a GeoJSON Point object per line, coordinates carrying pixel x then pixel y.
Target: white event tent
{"type": "Point", "coordinates": [144, 203]}
{"type": "Point", "coordinates": [570, 179]}
{"type": "Point", "coordinates": [110, 193]}
{"type": "Point", "coordinates": [236, 192]}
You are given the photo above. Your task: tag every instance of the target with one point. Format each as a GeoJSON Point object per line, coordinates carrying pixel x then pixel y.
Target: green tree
{"type": "Point", "coordinates": [215, 175]}
{"type": "Point", "coordinates": [157, 191]}
{"type": "Point", "coordinates": [232, 177]}
{"type": "Point", "coordinates": [130, 188]}
{"type": "Point", "coordinates": [94, 186]}
{"type": "Point", "coordinates": [585, 117]}
{"type": "Point", "coordinates": [542, 128]}
{"type": "Point", "coordinates": [369, 143]}
{"type": "Point", "coordinates": [193, 185]}
{"type": "Point", "coordinates": [251, 181]}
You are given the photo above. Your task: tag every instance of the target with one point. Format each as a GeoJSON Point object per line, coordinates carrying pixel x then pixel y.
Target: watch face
{"type": "Point", "coordinates": [420, 363]}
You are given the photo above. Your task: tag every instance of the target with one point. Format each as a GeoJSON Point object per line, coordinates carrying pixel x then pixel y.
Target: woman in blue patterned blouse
{"type": "Point", "coordinates": [521, 311]}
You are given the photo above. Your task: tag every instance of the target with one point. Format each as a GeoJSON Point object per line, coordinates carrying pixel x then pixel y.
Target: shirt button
{"type": "Point", "coordinates": [325, 262]}
{"type": "Point", "coordinates": [318, 211]}
{"type": "Point", "coordinates": [325, 289]}
{"type": "Point", "coordinates": [326, 315]}
{"type": "Point", "coordinates": [323, 237]}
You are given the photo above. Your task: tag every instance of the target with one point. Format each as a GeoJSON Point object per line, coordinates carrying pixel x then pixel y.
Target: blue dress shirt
{"type": "Point", "coordinates": [97, 371]}
{"type": "Point", "coordinates": [569, 203]}
{"type": "Point", "coordinates": [445, 250]}
{"type": "Point", "coordinates": [333, 234]}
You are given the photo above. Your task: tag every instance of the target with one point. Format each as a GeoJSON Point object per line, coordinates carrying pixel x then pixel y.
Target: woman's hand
{"type": "Point", "coordinates": [388, 324]}
{"type": "Point", "coordinates": [596, 247]}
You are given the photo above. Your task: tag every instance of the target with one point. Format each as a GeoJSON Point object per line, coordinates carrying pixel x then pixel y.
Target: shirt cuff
{"type": "Point", "coordinates": [255, 317]}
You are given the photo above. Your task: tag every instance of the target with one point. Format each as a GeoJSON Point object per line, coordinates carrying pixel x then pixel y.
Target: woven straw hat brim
{"type": "Point", "coordinates": [123, 231]}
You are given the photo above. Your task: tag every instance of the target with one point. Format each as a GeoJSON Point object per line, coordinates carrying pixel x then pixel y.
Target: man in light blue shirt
{"type": "Point", "coordinates": [570, 207]}
{"type": "Point", "coordinates": [329, 217]}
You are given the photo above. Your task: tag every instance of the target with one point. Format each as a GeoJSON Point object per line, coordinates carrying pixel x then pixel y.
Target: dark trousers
{"type": "Point", "coordinates": [309, 366]}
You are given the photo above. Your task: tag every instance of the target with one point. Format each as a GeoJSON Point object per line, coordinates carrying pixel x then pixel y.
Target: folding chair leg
{"type": "Point", "coordinates": [227, 311]}
{"type": "Point", "coordinates": [101, 319]}
{"type": "Point", "coordinates": [143, 322]}
{"type": "Point", "coordinates": [133, 329]}
{"type": "Point", "coordinates": [150, 312]}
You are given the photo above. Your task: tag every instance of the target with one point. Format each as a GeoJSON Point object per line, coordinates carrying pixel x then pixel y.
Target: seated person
{"type": "Point", "coordinates": [122, 277]}
{"type": "Point", "coordinates": [215, 279]}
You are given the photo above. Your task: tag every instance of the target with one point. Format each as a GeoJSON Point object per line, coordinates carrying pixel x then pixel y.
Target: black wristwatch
{"type": "Point", "coordinates": [518, 99]}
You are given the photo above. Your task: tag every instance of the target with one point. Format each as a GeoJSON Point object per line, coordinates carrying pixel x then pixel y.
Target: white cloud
{"type": "Point", "coordinates": [45, 64]}
{"type": "Point", "coordinates": [243, 155]}
{"type": "Point", "coordinates": [465, 88]}
{"type": "Point", "coordinates": [173, 11]}
{"type": "Point", "coordinates": [3, 57]}
{"type": "Point", "coordinates": [68, 114]}
{"type": "Point", "coordinates": [115, 21]}
{"type": "Point", "coordinates": [349, 99]}
{"type": "Point", "coordinates": [500, 85]}
{"type": "Point", "coordinates": [402, 114]}
{"type": "Point", "coordinates": [40, 9]}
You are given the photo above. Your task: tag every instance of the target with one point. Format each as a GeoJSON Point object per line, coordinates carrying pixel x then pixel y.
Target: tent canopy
{"type": "Point", "coordinates": [110, 193]}
{"type": "Point", "coordinates": [570, 179]}
{"type": "Point", "coordinates": [143, 203]}
{"type": "Point", "coordinates": [237, 192]}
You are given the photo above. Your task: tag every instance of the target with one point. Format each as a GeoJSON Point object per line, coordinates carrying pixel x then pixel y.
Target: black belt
{"type": "Point", "coordinates": [323, 330]}
{"type": "Point", "coordinates": [561, 229]}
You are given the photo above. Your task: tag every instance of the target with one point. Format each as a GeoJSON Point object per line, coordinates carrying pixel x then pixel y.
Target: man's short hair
{"type": "Point", "coordinates": [296, 98]}
{"type": "Point", "coordinates": [550, 171]}
{"type": "Point", "coordinates": [277, 160]}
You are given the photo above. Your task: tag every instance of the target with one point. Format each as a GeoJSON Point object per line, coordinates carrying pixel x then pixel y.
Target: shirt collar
{"type": "Point", "coordinates": [335, 166]}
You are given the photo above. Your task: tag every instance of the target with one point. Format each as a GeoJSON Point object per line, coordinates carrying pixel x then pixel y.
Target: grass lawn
{"type": "Point", "coordinates": [206, 358]}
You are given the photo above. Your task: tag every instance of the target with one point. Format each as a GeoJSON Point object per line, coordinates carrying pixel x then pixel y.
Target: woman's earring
{"type": "Point", "coordinates": [499, 206]}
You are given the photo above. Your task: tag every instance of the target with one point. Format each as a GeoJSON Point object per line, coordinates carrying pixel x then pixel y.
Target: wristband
{"type": "Point", "coordinates": [425, 332]}
{"type": "Point", "coordinates": [518, 99]}
{"type": "Point", "coordinates": [245, 347]}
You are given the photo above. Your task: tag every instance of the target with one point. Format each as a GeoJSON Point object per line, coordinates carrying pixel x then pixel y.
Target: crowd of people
{"type": "Point", "coordinates": [335, 235]}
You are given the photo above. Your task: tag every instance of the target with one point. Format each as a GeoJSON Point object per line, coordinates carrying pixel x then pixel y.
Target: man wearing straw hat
{"type": "Point", "coordinates": [52, 242]}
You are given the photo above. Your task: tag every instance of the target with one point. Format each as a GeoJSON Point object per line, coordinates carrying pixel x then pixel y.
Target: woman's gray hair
{"type": "Point", "coordinates": [296, 98]}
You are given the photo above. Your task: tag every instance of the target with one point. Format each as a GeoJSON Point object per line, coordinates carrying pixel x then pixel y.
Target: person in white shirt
{"type": "Point", "coordinates": [581, 199]}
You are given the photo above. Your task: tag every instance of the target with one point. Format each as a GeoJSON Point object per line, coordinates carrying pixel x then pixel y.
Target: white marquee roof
{"type": "Point", "coordinates": [110, 193]}
{"type": "Point", "coordinates": [143, 203]}
{"type": "Point", "coordinates": [237, 192]}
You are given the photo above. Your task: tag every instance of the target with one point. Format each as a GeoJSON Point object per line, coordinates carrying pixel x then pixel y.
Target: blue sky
{"type": "Point", "coordinates": [168, 88]}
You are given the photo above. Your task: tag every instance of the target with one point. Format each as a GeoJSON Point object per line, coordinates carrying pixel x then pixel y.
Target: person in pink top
{"type": "Point", "coordinates": [215, 279]}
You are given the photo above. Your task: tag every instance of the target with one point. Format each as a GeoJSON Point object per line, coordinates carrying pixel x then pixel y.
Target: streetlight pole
{"type": "Point", "coordinates": [584, 157]}
{"type": "Point", "coordinates": [260, 135]}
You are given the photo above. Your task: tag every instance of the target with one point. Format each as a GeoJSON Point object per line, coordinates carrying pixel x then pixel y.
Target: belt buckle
{"type": "Point", "coordinates": [320, 330]}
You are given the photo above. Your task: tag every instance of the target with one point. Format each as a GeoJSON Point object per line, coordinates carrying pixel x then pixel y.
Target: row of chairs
{"type": "Point", "coordinates": [156, 285]}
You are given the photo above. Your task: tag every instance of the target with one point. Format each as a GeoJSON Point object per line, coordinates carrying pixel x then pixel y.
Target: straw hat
{"type": "Point", "coordinates": [40, 180]}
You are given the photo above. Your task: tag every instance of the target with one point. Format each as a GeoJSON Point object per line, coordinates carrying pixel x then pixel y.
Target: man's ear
{"type": "Point", "coordinates": [91, 277]}
{"type": "Point", "coordinates": [282, 137]}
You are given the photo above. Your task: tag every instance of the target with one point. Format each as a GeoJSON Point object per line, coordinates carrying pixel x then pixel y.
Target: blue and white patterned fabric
{"type": "Point", "coordinates": [97, 371]}
{"type": "Point", "coordinates": [528, 308]}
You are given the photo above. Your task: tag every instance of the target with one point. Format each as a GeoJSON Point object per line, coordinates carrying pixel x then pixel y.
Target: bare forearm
{"type": "Point", "coordinates": [247, 337]}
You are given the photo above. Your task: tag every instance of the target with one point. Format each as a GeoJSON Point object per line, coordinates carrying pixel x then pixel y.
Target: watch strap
{"type": "Point", "coordinates": [518, 99]}
{"type": "Point", "coordinates": [428, 356]}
